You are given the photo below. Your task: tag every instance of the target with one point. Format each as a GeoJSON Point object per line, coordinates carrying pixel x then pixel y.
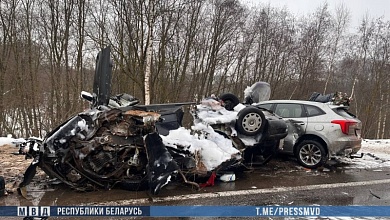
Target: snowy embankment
{"type": "Point", "coordinates": [8, 140]}
{"type": "Point", "coordinates": [376, 155]}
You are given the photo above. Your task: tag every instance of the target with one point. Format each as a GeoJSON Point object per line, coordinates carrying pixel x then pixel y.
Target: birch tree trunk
{"type": "Point", "coordinates": [149, 52]}
{"type": "Point", "coordinates": [148, 69]}
{"type": "Point", "coordinates": [385, 114]}
{"type": "Point", "coordinates": [378, 131]}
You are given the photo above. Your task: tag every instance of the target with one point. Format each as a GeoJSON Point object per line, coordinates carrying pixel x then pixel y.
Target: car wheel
{"type": "Point", "coordinates": [311, 154]}
{"type": "Point", "coordinates": [2, 186]}
{"type": "Point", "coordinates": [250, 121]}
{"type": "Point", "coordinates": [229, 101]}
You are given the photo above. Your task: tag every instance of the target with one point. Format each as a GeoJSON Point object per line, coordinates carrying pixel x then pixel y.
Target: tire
{"type": "Point", "coordinates": [2, 186]}
{"type": "Point", "coordinates": [270, 152]}
{"type": "Point", "coordinates": [250, 121]}
{"type": "Point", "coordinates": [134, 184]}
{"type": "Point", "coordinates": [311, 154]}
{"type": "Point", "coordinates": [229, 101]}
{"type": "Point", "coordinates": [261, 154]}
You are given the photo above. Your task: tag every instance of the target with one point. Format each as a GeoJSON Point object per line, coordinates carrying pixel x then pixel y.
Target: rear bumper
{"type": "Point", "coordinates": [345, 146]}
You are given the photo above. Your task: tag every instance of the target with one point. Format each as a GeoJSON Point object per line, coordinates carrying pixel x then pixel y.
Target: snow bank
{"type": "Point", "coordinates": [212, 147]}
{"type": "Point", "coordinates": [376, 155]}
{"type": "Point", "coordinates": [9, 140]}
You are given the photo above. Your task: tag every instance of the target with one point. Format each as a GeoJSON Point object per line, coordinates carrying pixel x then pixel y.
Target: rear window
{"type": "Point", "coordinates": [343, 112]}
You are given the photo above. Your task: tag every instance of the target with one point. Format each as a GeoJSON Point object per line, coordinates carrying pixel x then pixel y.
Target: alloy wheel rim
{"type": "Point", "coordinates": [310, 154]}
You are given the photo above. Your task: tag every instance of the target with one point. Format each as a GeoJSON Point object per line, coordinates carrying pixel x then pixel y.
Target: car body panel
{"type": "Point", "coordinates": [295, 130]}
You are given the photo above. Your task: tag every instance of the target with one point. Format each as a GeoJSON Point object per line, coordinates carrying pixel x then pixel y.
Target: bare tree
{"type": "Point", "coordinates": [340, 25]}
{"type": "Point", "coordinates": [175, 50]}
{"type": "Point", "coordinates": [310, 51]}
{"type": "Point", "coordinates": [149, 49]}
{"type": "Point", "coordinates": [7, 31]}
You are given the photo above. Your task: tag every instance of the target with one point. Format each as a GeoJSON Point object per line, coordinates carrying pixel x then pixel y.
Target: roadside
{"type": "Point", "coordinates": [13, 167]}
{"type": "Point", "coordinates": [279, 174]}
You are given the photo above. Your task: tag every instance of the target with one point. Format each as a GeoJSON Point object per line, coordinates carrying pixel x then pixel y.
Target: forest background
{"type": "Point", "coordinates": [190, 49]}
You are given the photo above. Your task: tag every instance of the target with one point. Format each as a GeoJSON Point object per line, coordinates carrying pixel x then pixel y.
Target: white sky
{"type": "Point", "coordinates": [357, 8]}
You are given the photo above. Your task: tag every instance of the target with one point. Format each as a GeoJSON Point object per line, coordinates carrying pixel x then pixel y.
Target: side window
{"type": "Point", "coordinates": [266, 106]}
{"type": "Point", "coordinates": [289, 110]}
{"type": "Point", "coordinates": [313, 111]}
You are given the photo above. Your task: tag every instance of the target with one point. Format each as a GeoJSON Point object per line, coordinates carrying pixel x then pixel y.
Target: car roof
{"type": "Point", "coordinates": [302, 102]}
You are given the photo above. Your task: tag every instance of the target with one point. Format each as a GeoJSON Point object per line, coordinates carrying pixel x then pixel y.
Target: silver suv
{"type": "Point", "coordinates": [317, 131]}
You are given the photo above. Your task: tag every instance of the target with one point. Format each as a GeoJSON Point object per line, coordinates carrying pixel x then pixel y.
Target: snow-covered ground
{"type": "Point", "coordinates": [8, 140]}
{"type": "Point", "coordinates": [376, 153]}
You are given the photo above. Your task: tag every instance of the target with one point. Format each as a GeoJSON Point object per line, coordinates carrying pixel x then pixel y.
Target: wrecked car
{"type": "Point", "coordinates": [136, 147]}
{"type": "Point", "coordinates": [2, 186]}
{"type": "Point", "coordinates": [256, 131]}
{"type": "Point", "coordinates": [318, 130]}
{"type": "Point", "coordinates": [107, 147]}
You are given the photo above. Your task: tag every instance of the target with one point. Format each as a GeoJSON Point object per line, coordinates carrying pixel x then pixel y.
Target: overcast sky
{"type": "Point", "coordinates": [358, 8]}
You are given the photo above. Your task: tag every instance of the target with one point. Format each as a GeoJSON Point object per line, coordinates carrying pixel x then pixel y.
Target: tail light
{"type": "Point", "coordinates": [344, 124]}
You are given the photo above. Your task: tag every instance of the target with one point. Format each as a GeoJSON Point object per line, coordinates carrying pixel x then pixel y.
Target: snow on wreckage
{"type": "Point", "coordinates": [120, 143]}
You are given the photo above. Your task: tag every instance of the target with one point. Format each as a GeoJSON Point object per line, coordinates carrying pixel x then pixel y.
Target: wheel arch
{"type": "Point", "coordinates": [311, 137]}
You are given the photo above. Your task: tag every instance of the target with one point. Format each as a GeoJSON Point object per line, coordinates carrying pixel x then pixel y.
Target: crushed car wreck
{"type": "Point", "coordinates": [136, 147]}
{"type": "Point", "coordinates": [256, 132]}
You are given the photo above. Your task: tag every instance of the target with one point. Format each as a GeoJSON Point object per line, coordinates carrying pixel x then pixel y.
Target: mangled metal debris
{"type": "Point", "coordinates": [109, 147]}
{"type": "Point", "coordinates": [2, 186]}
{"type": "Point", "coordinates": [337, 98]}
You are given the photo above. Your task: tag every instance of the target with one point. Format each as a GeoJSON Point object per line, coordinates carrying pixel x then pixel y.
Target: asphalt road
{"type": "Point", "coordinates": [282, 182]}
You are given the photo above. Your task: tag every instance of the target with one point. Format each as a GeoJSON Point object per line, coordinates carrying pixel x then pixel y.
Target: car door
{"type": "Point", "coordinates": [296, 119]}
